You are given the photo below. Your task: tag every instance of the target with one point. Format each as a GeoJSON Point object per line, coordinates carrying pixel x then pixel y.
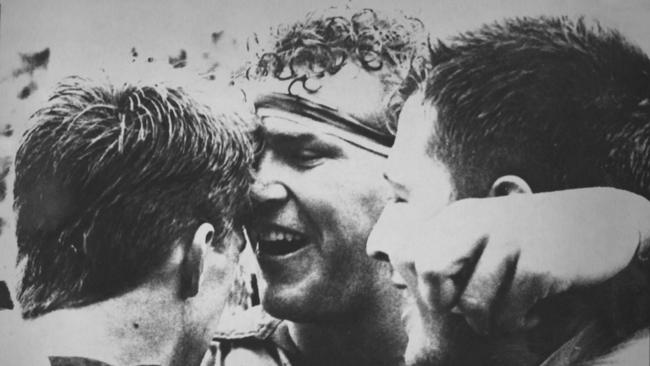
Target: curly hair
{"type": "Point", "coordinates": [322, 44]}
{"type": "Point", "coordinates": [110, 178]}
{"type": "Point", "coordinates": [389, 44]}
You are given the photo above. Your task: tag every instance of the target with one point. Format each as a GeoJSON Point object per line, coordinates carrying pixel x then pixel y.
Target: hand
{"type": "Point", "coordinates": [493, 259]}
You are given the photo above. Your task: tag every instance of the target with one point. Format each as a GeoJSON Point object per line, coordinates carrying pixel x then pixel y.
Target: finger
{"type": "Point", "coordinates": [210, 357]}
{"type": "Point", "coordinates": [437, 291]}
{"type": "Point", "coordinates": [486, 302]}
{"type": "Point", "coordinates": [444, 288]}
{"type": "Point", "coordinates": [454, 234]}
{"type": "Point", "coordinates": [429, 334]}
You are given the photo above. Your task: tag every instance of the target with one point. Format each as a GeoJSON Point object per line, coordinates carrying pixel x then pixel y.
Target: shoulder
{"type": "Point", "coordinates": [253, 323]}
{"type": "Point", "coordinates": [584, 349]}
{"type": "Point", "coordinates": [18, 345]}
{"type": "Point", "coordinates": [252, 337]}
{"type": "Point", "coordinates": [635, 351]}
{"type": "Point", "coordinates": [75, 361]}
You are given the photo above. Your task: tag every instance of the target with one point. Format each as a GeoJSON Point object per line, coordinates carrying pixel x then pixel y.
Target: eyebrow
{"type": "Point", "coordinates": [322, 113]}
{"type": "Point", "coordinates": [326, 119]}
{"type": "Point", "coordinates": [284, 138]}
{"type": "Point", "coordinates": [395, 185]}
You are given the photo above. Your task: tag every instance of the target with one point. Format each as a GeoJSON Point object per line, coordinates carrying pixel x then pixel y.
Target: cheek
{"type": "Point", "coordinates": [345, 193]}
{"type": "Point", "coordinates": [360, 208]}
{"type": "Point", "coordinates": [218, 275]}
{"type": "Point", "coordinates": [364, 186]}
{"type": "Point", "coordinates": [216, 282]}
{"type": "Point", "coordinates": [432, 190]}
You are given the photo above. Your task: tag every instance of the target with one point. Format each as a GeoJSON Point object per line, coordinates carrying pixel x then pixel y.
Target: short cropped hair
{"type": "Point", "coordinates": [553, 100]}
{"type": "Point", "coordinates": [324, 42]}
{"type": "Point", "coordinates": [108, 181]}
{"type": "Point", "coordinates": [562, 105]}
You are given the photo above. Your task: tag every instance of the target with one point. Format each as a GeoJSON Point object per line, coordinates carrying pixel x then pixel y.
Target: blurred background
{"type": "Point", "coordinates": [42, 41]}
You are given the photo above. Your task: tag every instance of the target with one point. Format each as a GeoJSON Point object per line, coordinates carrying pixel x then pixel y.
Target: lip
{"type": "Point", "coordinates": [409, 311]}
{"type": "Point", "coordinates": [261, 228]}
{"type": "Point", "coordinates": [397, 280]}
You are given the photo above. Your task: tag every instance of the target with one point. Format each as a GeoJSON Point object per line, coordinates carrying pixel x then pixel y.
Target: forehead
{"type": "Point", "coordinates": [281, 113]}
{"type": "Point", "coordinates": [352, 90]}
{"type": "Point", "coordinates": [281, 132]}
{"type": "Point", "coordinates": [413, 164]}
{"type": "Point", "coordinates": [417, 128]}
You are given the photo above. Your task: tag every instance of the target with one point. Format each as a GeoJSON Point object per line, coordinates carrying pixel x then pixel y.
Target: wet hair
{"type": "Point", "coordinates": [110, 179]}
{"type": "Point", "coordinates": [323, 43]}
{"type": "Point", "coordinates": [553, 100]}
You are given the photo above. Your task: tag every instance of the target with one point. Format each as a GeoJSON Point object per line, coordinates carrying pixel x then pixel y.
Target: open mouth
{"type": "Point", "coordinates": [278, 241]}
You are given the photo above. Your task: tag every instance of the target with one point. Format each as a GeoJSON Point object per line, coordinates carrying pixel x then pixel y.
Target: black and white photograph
{"type": "Point", "coordinates": [325, 183]}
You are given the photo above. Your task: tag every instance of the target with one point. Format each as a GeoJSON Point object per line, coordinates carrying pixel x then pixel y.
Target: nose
{"type": "Point", "coordinates": [268, 186]}
{"type": "Point", "coordinates": [378, 255]}
{"type": "Point", "coordinates": [390, 235]}
{"type": "Point", "coordinates": [376, 251]}
{"type": "Point", "coordinates": [376, 246]}
{"type": "Point", "coordinates": [268, 191]}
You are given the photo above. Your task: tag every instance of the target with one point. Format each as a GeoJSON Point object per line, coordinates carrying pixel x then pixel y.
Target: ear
{"type": "Point", "coordinates": [192, 264]}
{"type": "Point", "coordinates": [509, 184]}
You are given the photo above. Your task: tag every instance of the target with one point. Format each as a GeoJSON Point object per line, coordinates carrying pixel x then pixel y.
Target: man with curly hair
{"type": "Point", "coordinates": [127, 197]}
{"type": "Point", "coordinates": [321, 87]}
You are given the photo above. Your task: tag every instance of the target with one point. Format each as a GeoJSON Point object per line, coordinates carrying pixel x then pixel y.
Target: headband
{"type": "Point", "coordinates": [281, 107]}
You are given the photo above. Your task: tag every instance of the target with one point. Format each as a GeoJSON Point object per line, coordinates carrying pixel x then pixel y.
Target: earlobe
{"type": "Point", "coordinates": [192, 265]}
{"type": "Point", "coordinates": [509, 184]}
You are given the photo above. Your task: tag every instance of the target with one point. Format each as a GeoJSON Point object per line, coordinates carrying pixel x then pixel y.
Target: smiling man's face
{"type": "Point", "coordinates": [317, 197]}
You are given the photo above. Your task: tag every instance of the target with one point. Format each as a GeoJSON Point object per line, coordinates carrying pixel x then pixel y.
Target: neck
{"type": "Point", "coordinates": [370, 336]}
{"type": "Point", "coordinates": [144, 326]}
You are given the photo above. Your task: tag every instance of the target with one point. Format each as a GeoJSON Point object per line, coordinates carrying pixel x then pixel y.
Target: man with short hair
{"type": "Point", "coordinates": [521, 106]}
{"type": "Point", "coordinates": [127, 198]}
{"type": "Point", "coordinates": [320, 88]}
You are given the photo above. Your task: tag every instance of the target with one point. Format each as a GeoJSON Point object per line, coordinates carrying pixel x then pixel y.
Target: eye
{"type": "Point", "coordinates": [307, 157]}
{"type": "Point", "coordinates": [309, 154]}
{"type": "Point", "coordinates": [400, 192]}
{"type": "Point", "coordinates": [306, 152]}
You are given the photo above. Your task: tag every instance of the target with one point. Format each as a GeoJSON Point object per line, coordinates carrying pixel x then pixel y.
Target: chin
{"type": "Point", "coordinates": [282, 305]}
{"type": "Point", "coordinates": [418, 351]}
{"type": "Point", "coordinates": [301, 306]}
{"type": "Point", "coordinates": [286, 308]}
{"type": "Point", "coordinates": [420, 359]}
{"type": "Point", "coordinates": [283, 301]}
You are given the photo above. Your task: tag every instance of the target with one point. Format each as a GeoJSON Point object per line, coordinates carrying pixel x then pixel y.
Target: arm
{"type": "Point", "coordinates": [493, 259]}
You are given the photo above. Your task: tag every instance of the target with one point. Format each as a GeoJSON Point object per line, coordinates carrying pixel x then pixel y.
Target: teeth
{"type": "Point", "coordinates": [277, 235]}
